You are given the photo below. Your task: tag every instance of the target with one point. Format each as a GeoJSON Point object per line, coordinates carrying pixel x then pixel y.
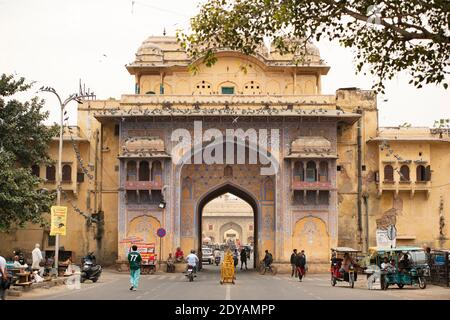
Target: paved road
{"type": "Point", "coordinates": [249, 285]}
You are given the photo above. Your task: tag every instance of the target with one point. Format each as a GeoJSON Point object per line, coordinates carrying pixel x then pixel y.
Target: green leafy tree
{"type": "Point", "coordinates": [388, 36]}
{"type": "Point", "coordinates": [24, 141]}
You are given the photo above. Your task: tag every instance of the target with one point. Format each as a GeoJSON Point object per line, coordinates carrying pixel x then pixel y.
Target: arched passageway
{"type": "Point", "coordinates": [240, 193]}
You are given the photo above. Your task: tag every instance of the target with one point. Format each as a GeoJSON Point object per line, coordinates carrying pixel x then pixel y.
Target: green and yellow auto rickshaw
{"type": "Point", "coordinates": [400, 266]}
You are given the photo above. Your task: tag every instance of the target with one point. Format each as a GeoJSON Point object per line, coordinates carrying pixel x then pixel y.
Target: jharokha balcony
{"type": "Point", "coordinates": [143, 185]}
{"type": "Point", "coordinates": [311, 185]}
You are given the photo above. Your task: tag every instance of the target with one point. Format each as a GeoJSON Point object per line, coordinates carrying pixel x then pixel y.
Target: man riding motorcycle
{"type": "Point", "coordinates": [192, 260]}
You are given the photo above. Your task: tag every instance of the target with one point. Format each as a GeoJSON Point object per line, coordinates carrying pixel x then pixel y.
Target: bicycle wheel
{"type": "Point", "coordinates": [274, 270]}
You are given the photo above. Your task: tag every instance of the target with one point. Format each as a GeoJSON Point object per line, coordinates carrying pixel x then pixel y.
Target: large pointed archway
{"type": "Point", "coordinates": [243, 194]}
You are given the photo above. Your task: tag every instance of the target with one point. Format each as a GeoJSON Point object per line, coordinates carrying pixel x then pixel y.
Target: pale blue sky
{"type": "Point", "coordinates": [58, 42]}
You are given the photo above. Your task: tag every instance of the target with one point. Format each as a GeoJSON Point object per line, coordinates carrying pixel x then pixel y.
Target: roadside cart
{"type": "Point", "coordinates": [148, 254]}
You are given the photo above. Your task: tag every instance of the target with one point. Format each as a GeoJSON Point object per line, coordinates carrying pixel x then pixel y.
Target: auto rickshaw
{"type": "Point", "coordinates": [400, 271]}
{"type": "Point", "coordinates": [338, 255]}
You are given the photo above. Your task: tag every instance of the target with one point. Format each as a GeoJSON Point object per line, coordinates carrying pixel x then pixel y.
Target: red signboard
{"type": "Point", "coordinates": [147, 251]}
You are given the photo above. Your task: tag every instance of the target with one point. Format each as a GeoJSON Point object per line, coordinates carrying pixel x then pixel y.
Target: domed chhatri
{"type": "Point", "coordinates": [165, 50]}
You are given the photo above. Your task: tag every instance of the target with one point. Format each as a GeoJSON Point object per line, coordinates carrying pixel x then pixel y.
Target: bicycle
{"type": "Point", "coordinates": [263, 269]}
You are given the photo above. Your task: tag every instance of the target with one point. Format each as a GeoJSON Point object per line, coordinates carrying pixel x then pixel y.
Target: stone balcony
{"type": "Point", "coordinates": [143, 185]}
{"type": "Point", "coordinates": [315, 185]}
{"type": "Point", "coordinates": [405, 186]}
{"type": "Point", "coordinates": [67, 186]}
{"type": "Point", "coordinates": [149, 106]}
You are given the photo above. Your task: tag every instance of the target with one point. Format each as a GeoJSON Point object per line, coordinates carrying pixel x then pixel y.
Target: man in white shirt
{"type": "Point", "coordinates": [3, 277]}
{"type": "Point", "coordinates": [386, 265]}
{"type": "Point", "coordinates": [17, 263]}
{"type": "Point", "coordinates": [192, 260]}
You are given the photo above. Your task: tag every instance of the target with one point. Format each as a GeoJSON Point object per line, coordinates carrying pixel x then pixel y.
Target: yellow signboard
{"type": "Point", "coordinates": [58, 221]}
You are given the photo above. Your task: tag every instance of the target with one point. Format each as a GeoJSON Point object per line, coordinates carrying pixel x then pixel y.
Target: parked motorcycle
{"type": "Point", "coordinates": [190, 273]}
{"type": "Point", "coordinates": [90, 270]}
{"type": "Point", "coordinates": [217, 260]}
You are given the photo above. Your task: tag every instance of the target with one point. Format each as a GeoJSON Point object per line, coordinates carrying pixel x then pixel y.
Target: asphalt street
{"type": "Point", "coordinates": [249, 285]}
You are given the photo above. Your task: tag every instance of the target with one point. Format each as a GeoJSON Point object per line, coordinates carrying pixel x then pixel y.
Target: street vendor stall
{"type": "Point", "coordinates": [147, 251]}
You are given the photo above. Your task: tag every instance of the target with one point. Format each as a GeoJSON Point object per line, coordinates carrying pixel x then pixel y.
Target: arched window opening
{"type": "Point", "coordinates": [388, 173]}
{"type": "Point", "coordinates": [66, 173]}
{"type": "Point", "coordinates": [50, 173]}
{"type": "Point", "coordinates": [311, 171]}
{"type": "Point", "coordinates": [298, 171]}
{"type": "Point", "coordinates": [421, 173]}
{"type": "Point", "coordinates": [404, 173]}
{"type": "Point", "coordinates": [131, 171]}
{"type": "Point", "coordinates": [323, 171]}
{"type": "Point", "coordinates": [36, 170]}
{"type": "Point", "coordinates": [144, 171]}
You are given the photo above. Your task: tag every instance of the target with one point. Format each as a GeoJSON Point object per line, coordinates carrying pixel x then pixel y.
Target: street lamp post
{"type": "Point", "coordinates": [73, 97]}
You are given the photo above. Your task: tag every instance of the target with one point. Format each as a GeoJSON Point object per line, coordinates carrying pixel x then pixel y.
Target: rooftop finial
{"type": "Point", "coordinates": [164, 32]}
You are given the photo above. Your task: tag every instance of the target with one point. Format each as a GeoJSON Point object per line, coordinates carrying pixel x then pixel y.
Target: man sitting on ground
{"type": "Point", "coordinates": [170, 263]}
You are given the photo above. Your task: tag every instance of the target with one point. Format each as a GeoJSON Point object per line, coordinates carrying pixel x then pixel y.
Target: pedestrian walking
{"type": "Point", "coordinates": [135, 259]}
{"type": "Point", "coordinates": [294, 267]}
{"type": "Point", "coordinates": [306, 263]}
{"type": "Point", "coordinates": [300, 264]}
{"type": "Point", "coordinates": [4, 281]}
{"type": "Point", "coordinates": [36, 255]}
{"type": "Point", "coordinates": [244, 258]}
{"type": "Point", "coordinates": [235, 258]}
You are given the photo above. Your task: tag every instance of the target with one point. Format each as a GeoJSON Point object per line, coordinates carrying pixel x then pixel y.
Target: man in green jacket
{"type": "Point", "coordinates": [135, 259]}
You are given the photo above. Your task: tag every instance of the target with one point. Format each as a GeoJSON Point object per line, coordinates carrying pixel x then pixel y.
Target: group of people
{"type": "Point", "coordinates": [171, 260]}
{"type": "Point", "coordinates": [19, 262]}
{"type": "Point", "coordinates": [244, 255]}
{"type": "Point", "coordinates": [298, 263]}
{"type": "Point", "coordinates": [404, 264]}
{"type": "Point", "coordinates": [135, 260]}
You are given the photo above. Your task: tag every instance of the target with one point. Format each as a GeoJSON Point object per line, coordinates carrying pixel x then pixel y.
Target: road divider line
{"type": "Point", "coordinates": [228, 292]}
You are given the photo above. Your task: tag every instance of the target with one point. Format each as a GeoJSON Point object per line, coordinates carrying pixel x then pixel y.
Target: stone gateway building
{"type": "Point", "coordinates": [316, 170]}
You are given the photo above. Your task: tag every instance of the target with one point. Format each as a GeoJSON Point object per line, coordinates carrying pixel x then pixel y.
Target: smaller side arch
{"type": "Point", "coordinates": [311, 234]}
